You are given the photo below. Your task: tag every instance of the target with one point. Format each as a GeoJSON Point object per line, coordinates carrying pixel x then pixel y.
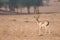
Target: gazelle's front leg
{"type": "Point", "coordinates": [40, 30]}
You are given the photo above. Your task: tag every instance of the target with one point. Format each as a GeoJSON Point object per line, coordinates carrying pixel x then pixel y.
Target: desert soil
{"type": "Point", "coordinates": [24, 27]}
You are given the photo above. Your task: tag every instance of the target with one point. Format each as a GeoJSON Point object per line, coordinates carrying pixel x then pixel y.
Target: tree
{"type": "Point", "coordinates": [13, 4]}
{"type": "Point", "coordinates": [5, 2]}
{"type": "Point", "coordinates": [25, 3]}
{"type": "Point", "coordinates": [21, 4]}
{"type": "Point", "coordinates": [28, 5]}
{"type": "Point", "coordinates": [37, 4]}
{"type": "Point", "coordinates": [1, 3]}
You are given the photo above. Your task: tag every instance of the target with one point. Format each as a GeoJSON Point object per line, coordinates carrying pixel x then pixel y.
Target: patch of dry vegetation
{"type": "Point", "coordinates": [24, 27]}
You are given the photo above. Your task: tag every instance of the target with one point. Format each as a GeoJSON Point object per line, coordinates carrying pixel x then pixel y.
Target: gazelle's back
{"type": "Point", "coordinates": [44, 22]}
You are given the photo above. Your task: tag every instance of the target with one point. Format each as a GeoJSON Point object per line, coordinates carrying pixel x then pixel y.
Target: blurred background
{"type": "Point", "coordinates": [29, 6]}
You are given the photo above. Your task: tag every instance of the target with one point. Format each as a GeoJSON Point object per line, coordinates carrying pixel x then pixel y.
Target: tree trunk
{"type": "Point", "coordinates": [17, 10]}
{"type": "Point", "coordinates": [21, 10]}
{"type": "Point", "coordinates": [28, 10]}
{"type": "Point", "coordinates": [12, 8]}
{"type": "Point", "coordinates": [35, 9]}
{"type": "Point", "coordinates": [6, 7]}
{"type": "Point", "coordinates": [38, 10]}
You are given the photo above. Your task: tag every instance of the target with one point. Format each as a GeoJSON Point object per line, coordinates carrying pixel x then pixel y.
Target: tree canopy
{"type": "Point", "coordinates": [22, 3]}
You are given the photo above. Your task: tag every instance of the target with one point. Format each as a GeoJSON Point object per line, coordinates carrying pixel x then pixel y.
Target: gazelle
{"type": "Point", "coordinates": [43, 25]}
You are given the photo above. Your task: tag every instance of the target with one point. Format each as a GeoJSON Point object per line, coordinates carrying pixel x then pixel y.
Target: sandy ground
{"type": "Point", "coordinates": [24, 27]}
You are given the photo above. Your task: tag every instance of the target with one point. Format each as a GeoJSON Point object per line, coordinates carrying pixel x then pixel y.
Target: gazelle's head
{"type": "Point", "coordinates": [37, 18]}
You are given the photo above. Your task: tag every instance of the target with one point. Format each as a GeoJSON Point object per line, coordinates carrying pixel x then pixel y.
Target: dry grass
{"type": "Point", "coordinates": [24, 27]}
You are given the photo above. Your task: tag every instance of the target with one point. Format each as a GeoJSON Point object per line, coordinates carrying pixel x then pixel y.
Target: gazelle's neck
{"type": "Point", "coordinates": [38, 20]}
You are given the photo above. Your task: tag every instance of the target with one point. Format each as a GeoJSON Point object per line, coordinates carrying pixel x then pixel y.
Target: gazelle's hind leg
{"type": "Point", "coordinates": [47, 30]}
